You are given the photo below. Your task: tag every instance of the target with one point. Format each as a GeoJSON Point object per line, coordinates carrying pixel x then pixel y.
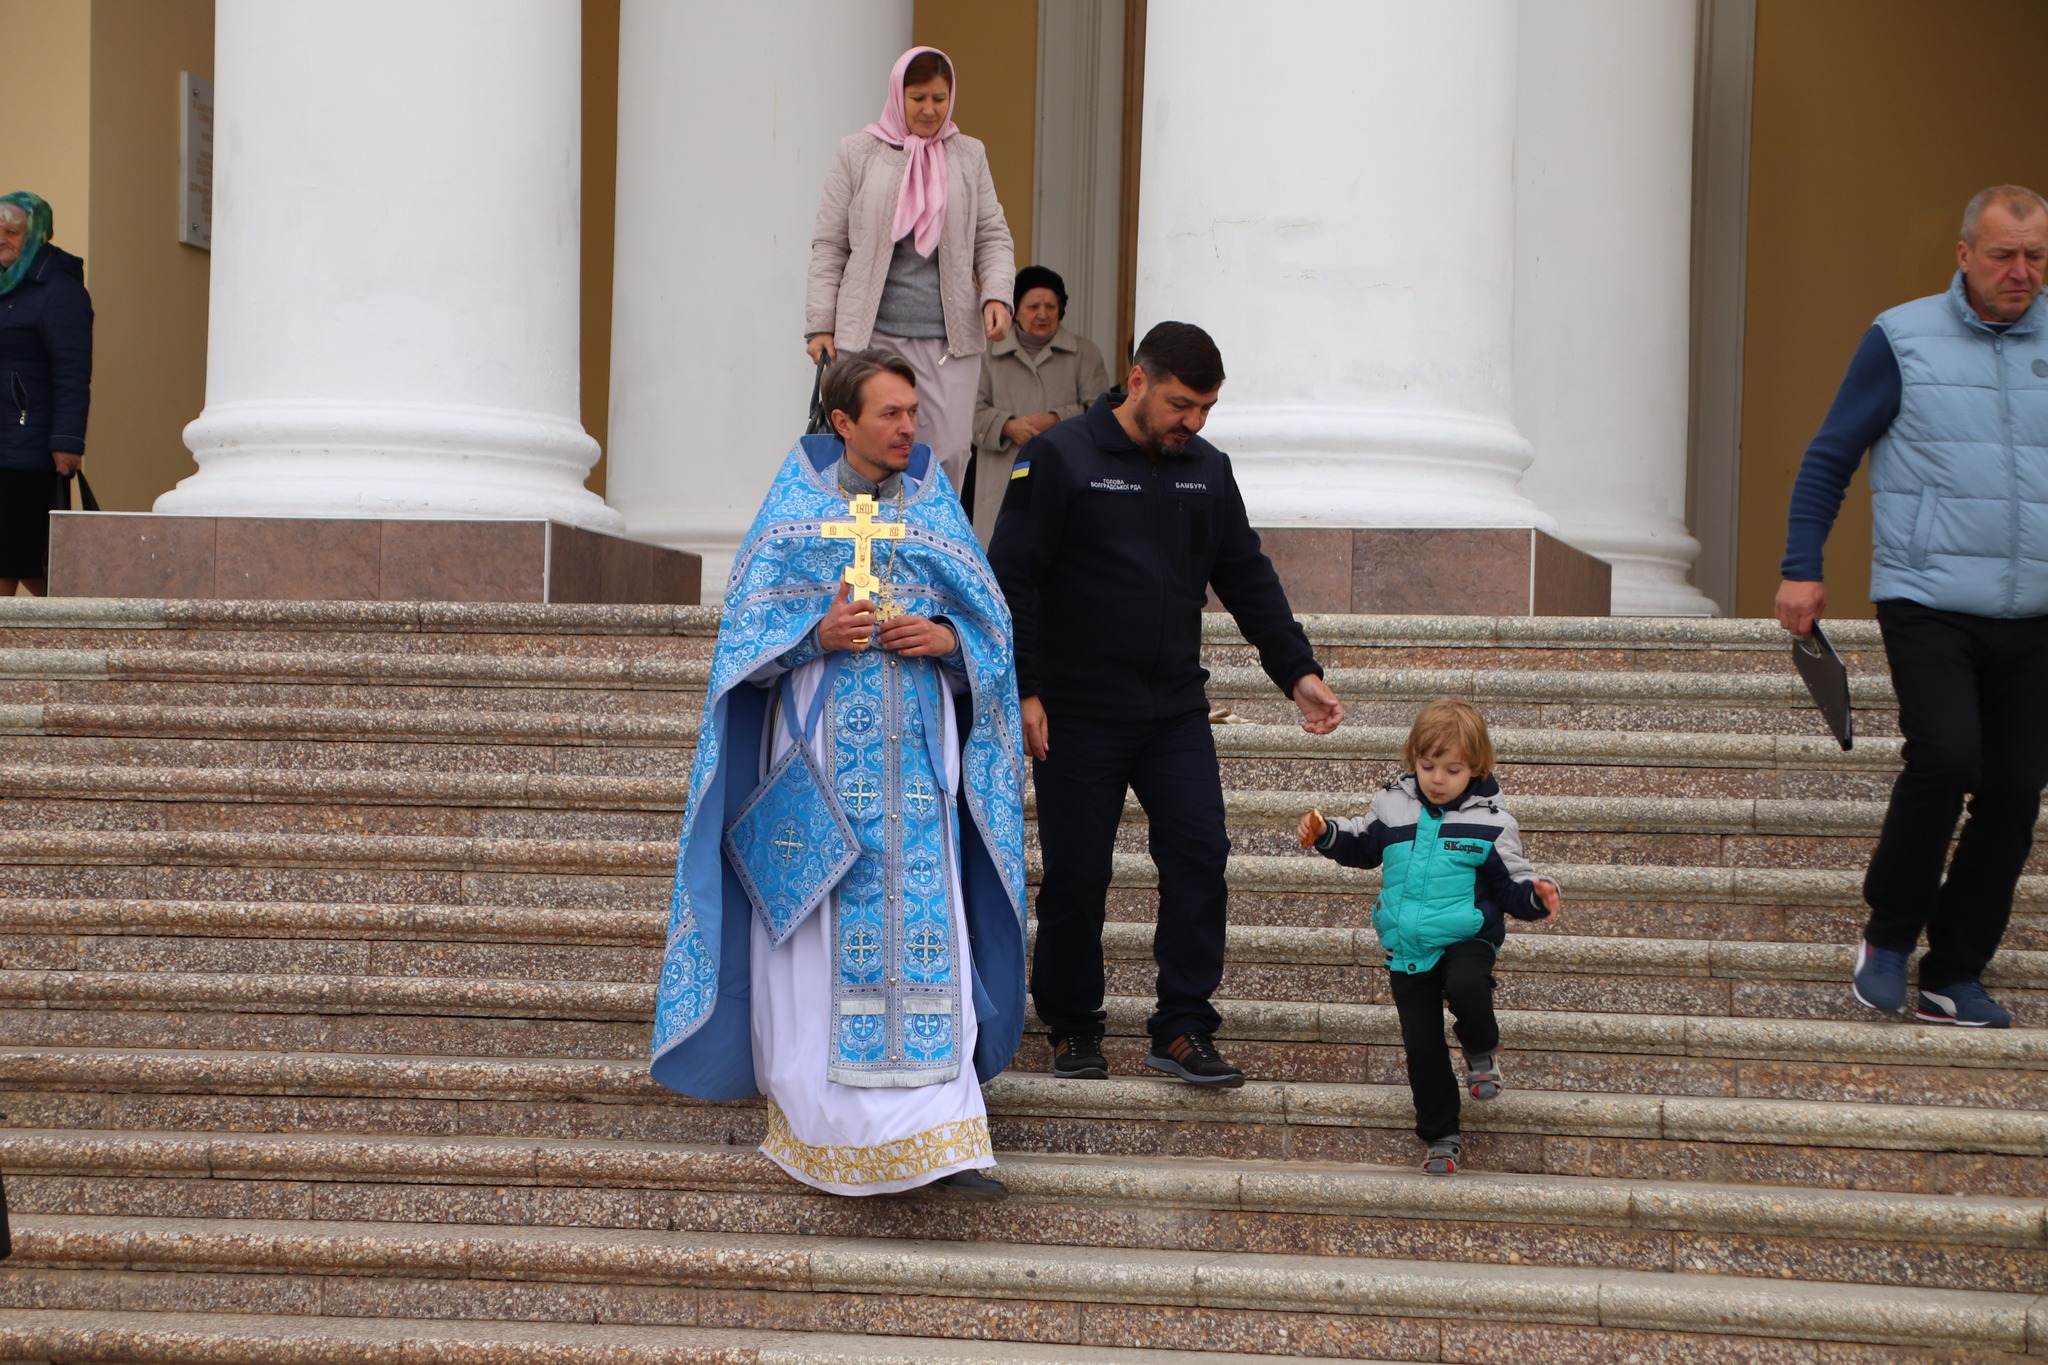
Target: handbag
{"type": "Point", "coordinates": [790, 844]}
{"type": "Point", "coordinates": [819, 423]}
{"type": "Point", "coordinates": [62, 501]}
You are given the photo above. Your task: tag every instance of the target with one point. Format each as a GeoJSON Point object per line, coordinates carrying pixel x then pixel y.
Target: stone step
{"type": "Point", "coordinates": [1554, 1047]}
{"type": "Point", "coordinates": [1707, 644]}
{"type": "Point", "coordinates": [1375, 1307]}
{"type": "Point", "coordinates": [1908, 1148]}
{"type": "Point", "coordinates": [91, 786]}
{"type": "Point", "coordinates": [394, 668]}
{"type": "Point", "coordinates": [146, 621]}
{"type": "Point", "coordinates": [1789, 905]}
{"type": "Point", "coordinates": [1698, 831]}
{"type": "Point", "coordinates": [345, 724]}
{"type": "Point", "coordinates": [1621, 762]}
{"type": "Point", "coordinates": [438, 679]}
{"type": "Point", "coordinates": [1704, 645]}
{"type": "Point", "coordinates": [1244, 744]}
{"type": "Point", "coordinates": [1252, 757]}
{"type": "Point", "coordinates": [1218, 1205]}
{"type": "Point", "coordinates": [1270, 962]}
{"type": "Point", "coordinates": [102, 1336]}
{"type": "Point", "coordinates": [1266, 962]}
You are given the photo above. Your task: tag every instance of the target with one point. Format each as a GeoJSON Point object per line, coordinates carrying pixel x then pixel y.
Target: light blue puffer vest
{"type": "Point", "coordinates": [1959, 483]}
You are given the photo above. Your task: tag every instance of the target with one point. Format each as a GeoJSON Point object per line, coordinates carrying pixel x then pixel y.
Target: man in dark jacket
{"type": "Point", "coordinates": [1115, 526]}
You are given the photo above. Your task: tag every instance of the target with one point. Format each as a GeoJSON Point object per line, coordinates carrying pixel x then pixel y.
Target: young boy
{"type": "Point", "coordinates": [1454, 866]}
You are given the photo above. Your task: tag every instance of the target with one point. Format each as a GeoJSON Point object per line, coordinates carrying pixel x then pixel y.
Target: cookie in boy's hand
{"type": "Point", "coordinates": [1310, 829]}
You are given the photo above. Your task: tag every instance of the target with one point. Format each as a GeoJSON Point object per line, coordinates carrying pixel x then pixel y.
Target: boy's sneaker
{"type": "Point", "coordinates": [1444, 1155]}
{"type": "Point", "coordinates": [1482, 1074]}
{"type": "Point", "coordinates": [1079, 1058]}
{"type": "Point", "coordinates": [1880, 979]}
{"type": "Point", "coordinates": [1965, 1004]}
{"type": "Point", "coordinates": [1193, 1057]}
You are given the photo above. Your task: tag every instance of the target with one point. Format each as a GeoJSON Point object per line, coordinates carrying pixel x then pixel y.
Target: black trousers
{"type": "Point", "coordinates": [1462, 979]}
{"type": "Point", "coordinates": [26, 497]}
{"type": "Point", "coordinates": [1971, 707]}
{"type": "Point", "coordinates": [1171, 765]}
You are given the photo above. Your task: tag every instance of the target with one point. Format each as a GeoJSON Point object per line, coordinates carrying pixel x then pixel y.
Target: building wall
{"type": "Point", "coordinates": [48, 147]}
{"type": "Point", "coordinates": [149, 291]}
{"type": "Point", "coordinates": [994, 47]}
{"type": "Point", "coordinates": [1874, 121]}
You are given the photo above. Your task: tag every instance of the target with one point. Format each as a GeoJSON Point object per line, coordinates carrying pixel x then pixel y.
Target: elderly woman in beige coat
{"type": "Point", "coordinates": [912, 254]}
{"type": "Point", "coordinates": [1040, 374]}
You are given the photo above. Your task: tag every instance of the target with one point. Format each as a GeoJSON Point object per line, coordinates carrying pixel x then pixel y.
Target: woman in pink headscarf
{"type": "Point", "coordinates": [912, 254]}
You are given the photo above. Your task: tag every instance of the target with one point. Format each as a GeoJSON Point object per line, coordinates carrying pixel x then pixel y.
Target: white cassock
{"type": "Point", "coordinates": [842, 1138]}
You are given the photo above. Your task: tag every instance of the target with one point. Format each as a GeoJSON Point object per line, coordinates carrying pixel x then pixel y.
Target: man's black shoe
{"type": "Point", "coordinates": [969, 1185]}
{"type": "Point", "coordinates": [1193, 1057]}
{"type": "Point", "coordinates": [1079, 1058]}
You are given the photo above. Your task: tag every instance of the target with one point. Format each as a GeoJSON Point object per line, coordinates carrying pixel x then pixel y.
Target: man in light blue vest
{"type": "Point", "coordinates": [1950, 395]}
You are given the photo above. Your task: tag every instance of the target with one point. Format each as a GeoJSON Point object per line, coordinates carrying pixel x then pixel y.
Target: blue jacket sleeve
{"type": "Point", "coordinates": [1865, 405]}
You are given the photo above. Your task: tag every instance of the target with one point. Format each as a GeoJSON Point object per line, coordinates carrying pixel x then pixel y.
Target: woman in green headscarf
{"type": "Point", "coordinates": [45, 383]}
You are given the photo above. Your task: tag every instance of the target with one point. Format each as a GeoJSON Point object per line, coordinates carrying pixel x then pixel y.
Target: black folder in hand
{"type": "Point", "coordinates": [1827, 678]}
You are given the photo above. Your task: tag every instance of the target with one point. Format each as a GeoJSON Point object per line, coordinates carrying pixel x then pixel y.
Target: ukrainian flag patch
{"type": "Point", "coordinates": [1020, 469]}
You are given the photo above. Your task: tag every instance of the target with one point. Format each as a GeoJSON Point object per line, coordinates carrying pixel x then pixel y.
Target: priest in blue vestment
{"type": "Point", "coordinates": [846, 934]}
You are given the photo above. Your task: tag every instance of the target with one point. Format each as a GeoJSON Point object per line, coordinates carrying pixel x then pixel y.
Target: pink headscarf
{"type": "Point", "coordinates": [921, 202]}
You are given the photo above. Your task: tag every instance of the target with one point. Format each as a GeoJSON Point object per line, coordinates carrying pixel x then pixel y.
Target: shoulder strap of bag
{"type": "Point", "coordinates": [819, 421]}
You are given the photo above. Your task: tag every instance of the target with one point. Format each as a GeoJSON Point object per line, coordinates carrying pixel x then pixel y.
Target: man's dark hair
{"type": "Point", "coordinates": [1183, 351]}
{"type": "Point", "coordinates": [850, 373]}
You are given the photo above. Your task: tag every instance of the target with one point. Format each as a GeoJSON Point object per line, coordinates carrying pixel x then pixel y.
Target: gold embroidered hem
{"type": "Point", "coordinates": [902, 1164]}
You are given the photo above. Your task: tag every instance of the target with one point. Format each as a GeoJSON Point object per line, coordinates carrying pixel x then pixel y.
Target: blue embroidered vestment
{"type": "Point", "coordinates": [897, 988]}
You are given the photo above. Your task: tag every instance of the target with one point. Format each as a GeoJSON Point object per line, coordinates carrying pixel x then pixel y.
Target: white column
{"type": "Point", "coordinates": [395, 263]}
{"type": "Point", "coordinates": [1327, 187]}
{"type": "Point", "coordinates": [729, 116]}
{"type": "Point", "coordinates": [1603, 232]}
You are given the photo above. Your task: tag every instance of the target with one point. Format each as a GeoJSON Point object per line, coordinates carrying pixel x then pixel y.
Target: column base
{"type": "Point", "coordinates": [1436, 571]}
{"type": "Point", "coordinates": [305, 559]}
{"type": "Point", "coordinates": [1651, 559]}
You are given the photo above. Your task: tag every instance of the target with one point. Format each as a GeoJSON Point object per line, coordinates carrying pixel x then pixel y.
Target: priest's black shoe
{"type": "Point", "coordinates": [1193, 1057]}
{"type": "Point", "coordinates": [1079, 1058]}
{"type": "Point", "coordinates": [969, 1185]}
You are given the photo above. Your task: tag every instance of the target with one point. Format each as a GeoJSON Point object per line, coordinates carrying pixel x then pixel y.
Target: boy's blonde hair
{"type": "Point", "coordinates": [1449, 726]}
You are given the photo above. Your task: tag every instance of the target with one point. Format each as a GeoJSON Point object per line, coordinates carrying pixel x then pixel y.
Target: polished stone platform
{"type": "Point", "coordinates": [142, 554]}
{"type": "Point", "coordinates": [1436, 571]}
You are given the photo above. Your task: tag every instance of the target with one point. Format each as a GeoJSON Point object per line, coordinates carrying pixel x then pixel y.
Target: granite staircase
{"type": "Point", "coordinates": [327, 935]}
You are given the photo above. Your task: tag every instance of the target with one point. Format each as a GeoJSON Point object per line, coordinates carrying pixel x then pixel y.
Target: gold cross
{"type": "Point", "coordinates": [863, 531]}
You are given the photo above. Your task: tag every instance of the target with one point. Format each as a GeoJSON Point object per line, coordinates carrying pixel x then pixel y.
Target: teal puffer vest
{"type": "Point", "coordinates": [1428, 897]}
{"type": "Point", "coordinates": [1959, 482]}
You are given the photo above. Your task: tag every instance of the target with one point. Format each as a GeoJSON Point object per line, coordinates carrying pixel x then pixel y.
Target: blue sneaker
{"type": "Point", "coordinates": [1964, 1004]}
{"type": "Point", "coordinates": [1880, 980]}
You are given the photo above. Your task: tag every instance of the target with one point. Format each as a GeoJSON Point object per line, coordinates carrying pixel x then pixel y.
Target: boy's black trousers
{"type": "Point", "coordinates": [1171, 764]}
{"type": "Point", "coordinates": [1973, 706]}
{"type": "Point", "coordinates": [1462, 979]}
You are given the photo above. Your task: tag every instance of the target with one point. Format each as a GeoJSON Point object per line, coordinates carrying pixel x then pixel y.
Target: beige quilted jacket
{"type": "Point", "coordinates": [850, 246]}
